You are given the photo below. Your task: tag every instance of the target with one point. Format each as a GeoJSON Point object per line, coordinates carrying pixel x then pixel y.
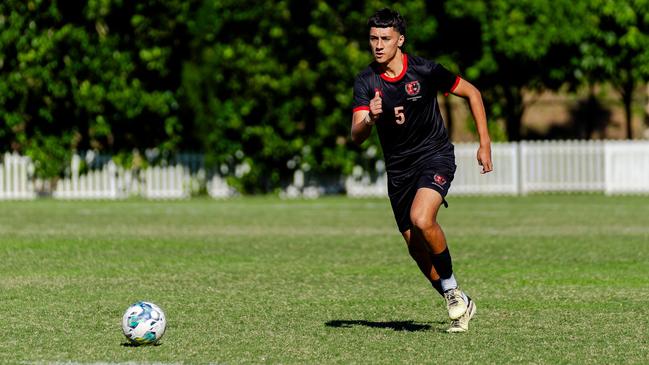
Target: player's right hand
{"type": "Point", "coordinates": [376, 106]}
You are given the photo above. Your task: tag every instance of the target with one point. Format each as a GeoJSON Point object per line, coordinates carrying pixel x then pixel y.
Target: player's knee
{"type": "Point", "coordinates": [422, 222]}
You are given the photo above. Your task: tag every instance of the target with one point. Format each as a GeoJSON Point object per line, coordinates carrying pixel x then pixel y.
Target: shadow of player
{"type": "Point", "coordinates": [408, 326]}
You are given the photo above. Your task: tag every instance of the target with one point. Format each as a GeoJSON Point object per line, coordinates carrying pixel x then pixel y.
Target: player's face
{"type": "Point", "coordinates": [384, 43]}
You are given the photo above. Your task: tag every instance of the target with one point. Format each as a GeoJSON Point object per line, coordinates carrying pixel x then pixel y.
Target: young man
{"type": "Point", "coordinates": [398, 94]}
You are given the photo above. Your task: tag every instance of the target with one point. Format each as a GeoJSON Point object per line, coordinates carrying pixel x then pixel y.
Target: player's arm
{"type": "Point", "coordinates": [364, 118]}
{"type": "Point", "coordinates": [469, 92]}
{"type": "Point", "coordinates": [361, 126]}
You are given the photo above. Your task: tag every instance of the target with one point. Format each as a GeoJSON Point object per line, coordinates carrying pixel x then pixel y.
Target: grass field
{"type": "Point", "coordinates": [557, 279]}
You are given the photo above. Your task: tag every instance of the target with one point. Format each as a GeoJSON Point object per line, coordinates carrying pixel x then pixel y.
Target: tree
{"type": "Point", "coordinates": [270, 84]}
{"type": "Point", "coordinates": [96, 74]}
{"type": "Point", "coordinates": [507, 47]}
{"type": "Point", "coordinates": [265, 87]}
{"type": "Point", "coordinates": [616, 48]}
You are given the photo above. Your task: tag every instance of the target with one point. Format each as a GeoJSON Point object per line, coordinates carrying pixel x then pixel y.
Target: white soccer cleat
{"type": "Point", "coordinates": [455, 303]}
{"type": "Point", "coordinates": [462, 324]}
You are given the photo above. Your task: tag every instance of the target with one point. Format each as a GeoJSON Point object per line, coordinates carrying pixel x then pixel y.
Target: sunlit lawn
{"type": "Point", "coordinates": [557, 279]}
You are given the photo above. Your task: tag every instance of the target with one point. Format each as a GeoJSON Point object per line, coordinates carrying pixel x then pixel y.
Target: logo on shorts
{"type": "Point", "coordinates": [413, 88]}
{"type": "Point", "coordinates": [439, 179]}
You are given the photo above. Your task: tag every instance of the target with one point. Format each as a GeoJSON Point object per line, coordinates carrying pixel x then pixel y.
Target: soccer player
{"type": "Point", "coordinates": [398, 94]}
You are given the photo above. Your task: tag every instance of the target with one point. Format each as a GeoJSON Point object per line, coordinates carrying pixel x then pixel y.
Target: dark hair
{"type": "Point", "coordinates": [386, 18]}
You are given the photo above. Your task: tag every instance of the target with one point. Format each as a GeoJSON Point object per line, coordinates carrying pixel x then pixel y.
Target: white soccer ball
{"type": "Point", "coordinates": [144, 323]}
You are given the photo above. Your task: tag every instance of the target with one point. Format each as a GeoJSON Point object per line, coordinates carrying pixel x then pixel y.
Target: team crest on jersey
{"type": "Point", "coordinates": [413, 88]}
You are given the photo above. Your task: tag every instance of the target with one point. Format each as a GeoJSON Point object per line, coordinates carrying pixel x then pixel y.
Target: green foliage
{"type": "Point", "coordinates": [615, 48]}
{"type": "Point", "coordinates": [517, 45]}
{"type": "Point", "coordinates": [91, 77]}
{"type": "Point", "coordinates": [265, 87]}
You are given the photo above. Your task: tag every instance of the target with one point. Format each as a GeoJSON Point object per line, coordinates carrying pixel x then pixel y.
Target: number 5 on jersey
{"type": "Point", "coordinates": [400, 117]}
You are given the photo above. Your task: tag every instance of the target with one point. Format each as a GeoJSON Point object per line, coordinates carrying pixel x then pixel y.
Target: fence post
{"type": "Point", "coordinates": [2, 179]}
{"type": "Point", "coordinates": [516, 166]}
{"type": "Point", "coordinates": [524, 169]}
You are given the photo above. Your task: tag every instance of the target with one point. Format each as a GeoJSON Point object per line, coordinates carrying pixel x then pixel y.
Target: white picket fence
{"type": "Point", "coordinates": [105, 183]}
{"type": "Point", "coordinates": [360, 184]}
{"type": "Point", "coordinates": [166, 182]}
{"type": "Point", "coordinates": [533, 166]}
{"type": "Point", "coordinates": [612, 167]}
{"type": "Point", "coordinates": [16, 180]}
{"type": "Point", "coordinates": [468, 179]}
{"type": "Point", "coordinates": [626, 167]}
{"type": "Point", "coordinates": [555, 166]}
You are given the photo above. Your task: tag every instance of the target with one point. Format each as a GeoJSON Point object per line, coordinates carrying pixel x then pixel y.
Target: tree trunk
{"type": "Point", "coordinates": [627, 99]}
{"type": "Point", "coordinates": [514, 112]}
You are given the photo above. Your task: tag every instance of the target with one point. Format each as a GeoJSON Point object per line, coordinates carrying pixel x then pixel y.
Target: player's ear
{"type": "Point", "coordinates": [401, 40]}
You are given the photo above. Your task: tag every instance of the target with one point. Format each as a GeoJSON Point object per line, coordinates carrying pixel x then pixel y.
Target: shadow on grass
{"type": "Point", "coordinates": [408, 326]}
{"type": "Point", "coordinates": [131, 344]}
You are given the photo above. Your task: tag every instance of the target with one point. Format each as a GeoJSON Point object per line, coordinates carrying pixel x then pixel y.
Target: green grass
{"type": "Point", "coordinates": [557, 279]}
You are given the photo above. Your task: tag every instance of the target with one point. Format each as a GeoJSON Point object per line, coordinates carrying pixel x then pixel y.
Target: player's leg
{"type": "Point", "coordinates": [401, 197]}
{"type": "Point", "coordinates": [419, 252]}
{"type": "Point", "coordinates": [423, 215]}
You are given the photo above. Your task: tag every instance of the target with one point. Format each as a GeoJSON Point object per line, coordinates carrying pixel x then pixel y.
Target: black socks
{"type": "Point", "coordinates": [442, 263]}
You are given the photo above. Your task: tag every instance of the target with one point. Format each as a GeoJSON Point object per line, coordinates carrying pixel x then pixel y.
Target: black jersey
{"type": "Point", "coordinates": [411, 128]}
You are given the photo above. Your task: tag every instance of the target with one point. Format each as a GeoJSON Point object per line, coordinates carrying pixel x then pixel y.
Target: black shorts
{"type": "Point", "coordinates": [402, 190]}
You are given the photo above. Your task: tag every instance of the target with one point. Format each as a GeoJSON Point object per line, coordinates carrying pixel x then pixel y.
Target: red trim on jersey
{"type": "Point", "coordinates": [401, 75]}
{"type": "Point", "coordinates": [362, 107]}
{"type": "Point", "coordinates": [457, 82]}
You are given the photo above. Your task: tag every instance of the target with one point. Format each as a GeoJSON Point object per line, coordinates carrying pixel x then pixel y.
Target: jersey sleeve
{"type": "Point", "coordinates": [361, 95]}
{"type": "Point", "coordinates": [445, 80]}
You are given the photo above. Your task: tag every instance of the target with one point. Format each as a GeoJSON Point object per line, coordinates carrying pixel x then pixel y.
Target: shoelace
{"type": "Point", "coordinates": [451, 298]}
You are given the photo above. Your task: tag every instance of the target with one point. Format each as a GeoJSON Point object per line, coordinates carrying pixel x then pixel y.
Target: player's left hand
{"type": "Point", "coordinates": [484, 158]}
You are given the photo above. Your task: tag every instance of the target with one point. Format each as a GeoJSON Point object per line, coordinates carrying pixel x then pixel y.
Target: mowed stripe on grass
{"type": "Point", "coordinates": [557, 279]}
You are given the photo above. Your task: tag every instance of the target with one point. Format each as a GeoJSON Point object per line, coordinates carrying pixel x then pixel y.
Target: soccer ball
{"type": "Point", "coordinates": [144, 323]}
